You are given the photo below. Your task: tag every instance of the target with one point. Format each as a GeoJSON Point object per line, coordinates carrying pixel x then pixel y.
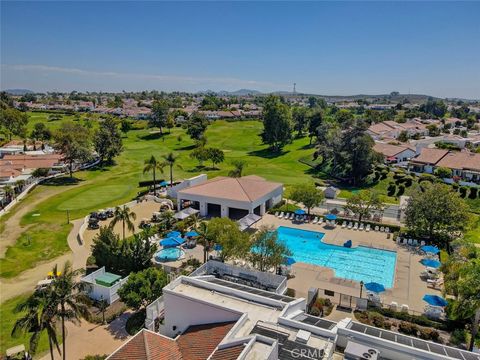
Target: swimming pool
{"type": "Point", "coordinates": [169, 254]}
{"type": "Point", "coordinates": [358, 263]}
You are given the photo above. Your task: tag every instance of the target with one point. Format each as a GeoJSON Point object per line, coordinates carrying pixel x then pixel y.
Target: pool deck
{"type": "Point", "coordinates": [408, 287]}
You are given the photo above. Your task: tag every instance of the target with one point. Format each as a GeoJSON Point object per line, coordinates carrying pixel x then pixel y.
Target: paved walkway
{"type": "Point", "coordinates": [93, 339]}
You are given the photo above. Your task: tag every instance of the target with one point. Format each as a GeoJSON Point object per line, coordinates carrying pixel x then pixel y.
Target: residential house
{"type": "Point", "coordinates": [102, 285]}
{"type": "Point", "coordinates": [426, 161]}
{"type": "Point", "coordinates": [394, 153]}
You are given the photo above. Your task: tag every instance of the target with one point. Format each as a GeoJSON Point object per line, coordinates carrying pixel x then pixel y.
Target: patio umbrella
{"type": "Point", "coordinates": [217, 247]}
{"type": "Point", "coordinates": [300, 212]}
{"type": "Point", "coordinates": [331, 217]}
{"type": "Point", "coordinates": [173, 234]}
{"type": "Point", "coordinates": [171, 242]}
{"type": "Point", "coordinates": [435, 300]}
{"type": "Point", "coordinates": [375, 287]}
{"type": "Point", "coordinates": [163, 183]}
{"type": "Point", "coordinates": [431, 263]}
{"type": "Point", "coordinates": [191, 233]}
{"type": "Point", "coordinates": [430, 249]}
{"type": "Point", "coordinates": [289, 261]}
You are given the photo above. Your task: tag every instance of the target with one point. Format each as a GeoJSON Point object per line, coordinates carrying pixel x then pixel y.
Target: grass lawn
{"type": "Point", "coordinates": [8, 319]}
{"type": "Point", "coordinates": [46, 236]}
{"type": "Point", "coordinates": [474, 233]}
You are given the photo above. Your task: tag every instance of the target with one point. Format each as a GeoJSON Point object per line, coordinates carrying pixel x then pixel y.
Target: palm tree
{"type": "Point", "coordinates": [39, 316]}
{"type": "Point", "coordinates": [203, 239]}
{"type": "Point", "coordinates": [124, 215]}
{"type": "Point", "coordinates": [239, 165]}
{"type": "Point", "coordinates": [71, 300]}
{"type": "Point", "coordinates": [170, 160]}
{"type": "Point", "coordinates": [152, 165]}
{"type": "Point", "coordinates": [167, 220]}
{"type": "Point", "coordinates": [9, 192]}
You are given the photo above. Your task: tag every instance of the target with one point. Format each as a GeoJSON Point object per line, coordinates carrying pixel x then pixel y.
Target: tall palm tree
{"type": "Point", "coordinates": [202, 239]}
{"type": "Point", "coordinates": [152, 165]}
{"type": "Point", "coordinates": [170, 160]}
{"type": "Point", "coordinates": [239, 165]}
{"type": "Point", "coordinates": [71, 299]}
{"type": "Point", "coordinates": [39, 316]}
{"type": "Point", "coordinates": [9, 191]}
{"type": "Point", "coordinates": [124, 215]}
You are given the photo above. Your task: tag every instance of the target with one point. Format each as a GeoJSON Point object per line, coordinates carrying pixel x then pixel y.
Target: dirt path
{"type": "Point", "coordinates": [12, 229]}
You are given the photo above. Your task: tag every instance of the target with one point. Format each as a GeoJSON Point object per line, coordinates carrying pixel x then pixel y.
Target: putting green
{"type": "Point", "coordinates": [95, 196]}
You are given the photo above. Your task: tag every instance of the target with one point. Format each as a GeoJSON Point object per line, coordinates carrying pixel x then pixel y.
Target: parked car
{"type": "Point", "coordinates": [93, 223]}
{"type": "Point", "coordinates": [102, 215]}
{"type": "Point", "coordinates": [93, 215]}
{"type": "Point", "coordinates": [145, 224]}
{"type": "Point", "coordinates": [109, 212]}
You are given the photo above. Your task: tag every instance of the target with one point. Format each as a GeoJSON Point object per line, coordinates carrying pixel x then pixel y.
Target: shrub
{"type": "Point", "coordinates": [458, 337]}
{"type": "Point", "coordinates": [377, 319]}
{"type": "Point", "coordinates": [384, 174]}
{"type": "Point", "coordinates": [408, 328]}
{"type": "Point", "coordinates": [463, 191]}
{"type": "Point", "coordinates": [290, 292]}
{"type": "Point", "coordinates": [426, 177]}
{"type": "Point", "coordinates": [408, 181]}
{"type": "Point", "coordinates": [455, 186]}
{"type": "Point", "coordinates": [135, 322]}
{"type": "Point", "coordinates": [315, 311]}
{"type": "Point", "coordinates": [401, 190]}
{"type": "Point", "coordinates": [429, 334]}
{"type": "Point", "coordinates": [391, 189]}
{"type": "Point", "coordinates": [91, 260]}
{"type": "Point", "coordinates": [40, 172]}
{"type": "Point", "coordinates": [473, 193]}
{"type": "Point", "coordinates": [443, 172]}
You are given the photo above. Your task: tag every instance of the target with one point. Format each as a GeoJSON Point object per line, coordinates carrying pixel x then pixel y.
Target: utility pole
{"type": "Point", "coordinates": [294, 88]}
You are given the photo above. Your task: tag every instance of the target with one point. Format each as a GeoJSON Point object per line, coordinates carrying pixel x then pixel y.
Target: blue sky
{"type": "Point", "coordinates": [325, 47]}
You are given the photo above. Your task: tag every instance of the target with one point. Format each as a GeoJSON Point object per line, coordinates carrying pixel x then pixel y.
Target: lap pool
{"type": "Point", "coordinates": [359, 263]}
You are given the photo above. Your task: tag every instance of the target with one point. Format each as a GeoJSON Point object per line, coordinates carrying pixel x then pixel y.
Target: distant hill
{"type": "Point", "coordinates": [241, 92]}
{"type": "Point", "coordinates": [18, 92]}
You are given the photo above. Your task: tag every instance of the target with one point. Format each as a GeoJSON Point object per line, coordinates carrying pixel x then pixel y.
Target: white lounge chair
{"type": "Point", "coordinates": [398, 240]}
{"type": "Point", "coordinates": [355, 227]}
{"type": "Point", "coordinates": [376, 228]}
{"type": "Point", "coordinates": [422, 243]}
{"type": "Point", "coordinates": [276, 214]}
{"type": "Point", "coordinates": [350, 225]}
{"type": "Point", "coordinates": [315, 220]}
{"type": "Point", "coordinates": [393, 305]}
{"type": "Point", "coordinates": [404, 308]}
{"type": "Point", "coordinates": [410, 242]}
{"type": "Point", "coordinates": [415, 242]}
{"type": "Point", "coordinates": [387, 229]}
{"type": "Point", "coordinates": [344, 224]}
{"type": "Point", "coordinates": [320, 220]}
{"type": "Point", "coordinates": [281, 215]}
{"type": "Point", "coordinates": [361, 227]}
{"type": "Point", "coordinates": [404, 242]}
{"type": "Point", "coordinates": [368, 228]}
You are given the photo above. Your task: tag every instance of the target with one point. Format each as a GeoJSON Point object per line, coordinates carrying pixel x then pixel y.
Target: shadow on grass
{"type": "Point", "coordinates": [308, 146]}
{"type": "Point", "coordinates": [62, 181]}
{"type": "Point", "coordinates": [151, 136]}
{"type": "Point", "coordinates": [188, 147]}
{"type": "Point", "coordinates": [267, 153]}
{"type": "Point", "coordinates": [202, 168]}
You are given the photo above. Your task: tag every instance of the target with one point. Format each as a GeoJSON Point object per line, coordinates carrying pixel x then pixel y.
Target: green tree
{"type": "Point", "coordinates": [216, 156]}
{"type": "Point", "coordinates": [277, 123]}
{"type": "Point", "coordinates": [72, 140]}
{"type": "Point", "coordinates": [158, 117]}
{"type": "Point", "coordinates": [202, 239]}
{"type": "Point", "coordinates": [171, 160]}
{"type": "Point", "coordinates": [70, 298]}
{"type": "Point", "coordinates": [225, 232]}
{"type": "Point", "coordinates": [437, 212]}
{"type": "Point", "coordinates": [125, 216]}
{"type": "Point", "coordinates": [125, 126]}
{"type": "Point", "coordinates": [196, 126]}
{"type": "Point", "coordinates": [108, 141]}
{"type": "Point", "coordinates": [345, 118]}
{"type": "Point", "coordinates": [307, 194]}
{"type": "Point", "coordinates": [200, 154]}
{"type": "Point", "coordinates": [363, 204]}
{"type": "Point", "coordinates": [267, 250]}
{"type": "Point", "coordinates": [403, 136]}
{"type": "Point", "coordinates": [237, 171]}
{"type": "Point", "coordinates": [13, 122]}
{"type": "Point", "coordinates": [55, 117]}
{"type": "Point", "coordinates": [38, 316]}
{"type": "Point", "coordinates": [299, 116]}
{"type": "Point", "coordinates": [153, 165]}
{"type": "Point", "coordinates": [143, 287]}
{"type": "Point", "coordinates": [40, 132]}
{"type": "Point", "coordinates": [315, 119]}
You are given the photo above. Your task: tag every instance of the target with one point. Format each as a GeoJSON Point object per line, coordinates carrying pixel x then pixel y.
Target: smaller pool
{"type": "Point", "coordinates": [169, 254]}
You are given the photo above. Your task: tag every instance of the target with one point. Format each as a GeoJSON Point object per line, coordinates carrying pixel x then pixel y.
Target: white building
{"type": "Point", "coordinates": [102, 285]}
{"type": "Point", "coordinates": [231, 197]}
{"type": "Point", "coordinates": [227, 315]}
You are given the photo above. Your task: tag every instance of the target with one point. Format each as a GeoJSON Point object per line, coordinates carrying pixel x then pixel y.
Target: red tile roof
{"type": "Point", "coordinates": [230, 353]}
{"type": "Point", "coordinates": [196, 343]}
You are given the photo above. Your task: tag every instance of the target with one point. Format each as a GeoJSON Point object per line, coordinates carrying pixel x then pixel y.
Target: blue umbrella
{"type": "Point", "coordinates": [191, 233]}
{"type": "Point", "coordinates": [331, 217]}
{"type": "Point", "coordinates": [435, 300]}
{"type": "Point", "coordinates": [430, 249]}
{"type": "Point", "coordinates": [173, 234]}
{"type": "Point", "coordinates": [375, 287]}
{"type": "Point", "coordinates": [171, 242]}
{"type": "Point", "coordinates": [217, 247]}
{"type": "Point", "coordinates": [431, 263]}
{"type": "Point", "coordinates": [163, 183]}
{"type": "Point", "coordinates": [289, 261]}
{"type": "Point", "coordinates": [300, 212]}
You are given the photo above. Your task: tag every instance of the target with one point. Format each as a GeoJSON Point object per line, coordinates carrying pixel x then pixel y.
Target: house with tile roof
{"type": "Point", "coordinates": [394, 153]}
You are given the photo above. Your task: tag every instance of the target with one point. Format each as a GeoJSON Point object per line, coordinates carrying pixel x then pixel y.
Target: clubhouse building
{"type": "Point", "coordinates": [235, 198]}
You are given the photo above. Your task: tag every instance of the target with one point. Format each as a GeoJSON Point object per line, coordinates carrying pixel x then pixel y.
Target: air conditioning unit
{"type": "Point", "coordinates": [356, 351]}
